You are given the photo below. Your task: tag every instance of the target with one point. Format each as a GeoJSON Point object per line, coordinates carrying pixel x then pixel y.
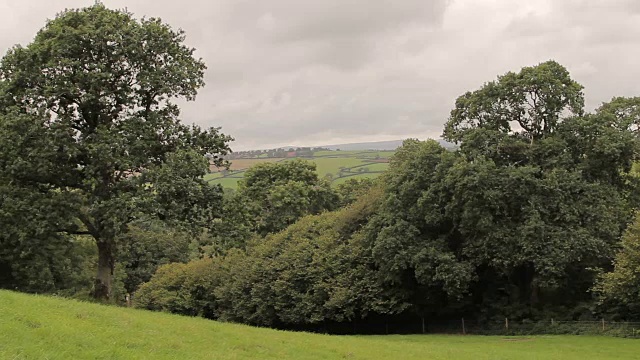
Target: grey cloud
{"type": "Point", "coordinates": [299, 72]}
{"type": "Point", "coordinates": [597, 40]}
{"type": "Point", "coordinates": [290, 20]}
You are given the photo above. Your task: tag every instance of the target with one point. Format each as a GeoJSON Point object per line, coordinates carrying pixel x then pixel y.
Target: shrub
{"type": "Point", "coordinates": [186, 289]}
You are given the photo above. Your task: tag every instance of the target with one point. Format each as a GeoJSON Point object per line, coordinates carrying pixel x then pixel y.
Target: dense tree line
{"type": "Point", "coordinates": [532, 216]}
{"type": "Point", "coordinates": [275, 153]}
{"type": "Point", "coordinates": [519, 222]}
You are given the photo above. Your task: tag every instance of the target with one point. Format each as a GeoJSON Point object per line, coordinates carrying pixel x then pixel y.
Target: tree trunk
{"type": "Point", "coordinates": [535, 294]}
{"type": "Point", "coordinates": [104, 277]}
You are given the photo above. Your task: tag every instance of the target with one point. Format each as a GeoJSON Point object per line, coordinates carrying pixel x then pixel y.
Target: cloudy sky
{"type": "Point", "coordinates": [308, 72]}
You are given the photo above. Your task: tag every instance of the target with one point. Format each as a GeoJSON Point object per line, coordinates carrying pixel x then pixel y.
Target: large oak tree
{"type": "Point", "coordinates": [88, 119]}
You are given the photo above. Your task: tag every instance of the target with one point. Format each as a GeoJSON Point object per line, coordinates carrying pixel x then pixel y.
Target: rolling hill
{"type": "Point", "coordinates": [379, 145]}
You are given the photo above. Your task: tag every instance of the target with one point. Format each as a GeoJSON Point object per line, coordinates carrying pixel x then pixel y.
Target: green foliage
{"type": "Point", "coordinates": [271, 197]}
{"type": "Point", "coordinates": [625, 110]}
{"type": "Point", "coordinates": [234, 228]}
{"type": "Point", "coordinates": [262, 176]}
{"type": "Point", "coordinates": [620, 288]}
{"type": "Point", "coordinates": [350, 190]}
{"type": "Point", "coordinates": [34, 255]}
{"type": "Point", "coordinates": [316, 270]}
{"type": "Point", "coordinates": [411, 242]}
{"type": "Point", "coordinates": [87, 115]}
{"type": "Point", "coordinates": [534, 99]}
{"type": "Point", "coordinates": [305, 274]}
{"type": "Point", "coordinates": [145, 247]}
{"type": "Point", "coordinates": [530, 209]}
{"type": "Point", "coordinates": [186, 289]}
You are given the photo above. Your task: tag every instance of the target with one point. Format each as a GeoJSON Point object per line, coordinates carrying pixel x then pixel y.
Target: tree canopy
{"type": "Point", "coordinates": [271, 197]}
{"type": "Point", "coordinates": [531, 102]}
{"type": "Point", "coordinates": [620, 289]}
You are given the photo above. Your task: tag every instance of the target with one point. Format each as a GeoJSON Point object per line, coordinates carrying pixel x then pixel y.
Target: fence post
{"type": "Point", "coordinates": [423, 328]}
{"type": "Point", "coordinates": [464, 331]}
{"type": "Point", "coordinates": [506, 323]}
{"type": "Point", "coordinates": [552, 322]}
{"type": "Point", "coordinates": [602, 324]}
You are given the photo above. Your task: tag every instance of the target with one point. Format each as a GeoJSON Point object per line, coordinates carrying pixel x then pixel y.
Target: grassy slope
{"type": "Point", "coordinates": [332, 165]}
{"type": "Point", "coordinates": [33, 327]}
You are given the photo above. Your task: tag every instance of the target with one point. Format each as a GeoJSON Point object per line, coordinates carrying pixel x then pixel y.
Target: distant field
{"type": "Point", "coordinates": [241, 164]}
{"type": "Point", "coordinates": [37, 327]}
{"type": "Point", "coordinates": [229, 182]}
{"type": "Point", "coordinates": [336, 166]}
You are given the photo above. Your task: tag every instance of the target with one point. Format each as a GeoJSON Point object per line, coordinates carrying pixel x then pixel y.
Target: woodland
{"type": "Point", "coordinates": [531, 216]}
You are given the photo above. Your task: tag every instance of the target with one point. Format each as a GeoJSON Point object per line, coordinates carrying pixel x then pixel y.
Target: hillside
{"type": "Point", "coordinates": [336, 163]}
{"type": "Point", "coordinates": [335, 166]}
{"type": "Point", "coordinates": [378, 145]}
{"type": "Point", "coordinates": [35, 327]}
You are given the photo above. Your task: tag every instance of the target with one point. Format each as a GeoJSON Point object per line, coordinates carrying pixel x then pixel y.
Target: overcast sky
{"type": "Point", "coordinates": [313, 72]}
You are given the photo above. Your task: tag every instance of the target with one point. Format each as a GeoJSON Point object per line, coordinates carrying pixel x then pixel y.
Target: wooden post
{"type": "Point", "coordinates": [506, 323]}
{"type": "Point", "coordinates": [552, 323]}
{"type": "Point", "coordinates": [602, 324]}
{"type": "Point", "coordinates": [423, 328]}
{"type": "Point", "coordinates": [464, 330]}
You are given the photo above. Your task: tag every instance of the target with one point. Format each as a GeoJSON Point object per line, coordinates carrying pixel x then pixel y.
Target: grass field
{"type": "Point", "coordinates": [36, 327]}
{"type": "Point", "coordinates": [243, 164]}
{"type": "Point", "coordinates": [339, 165]}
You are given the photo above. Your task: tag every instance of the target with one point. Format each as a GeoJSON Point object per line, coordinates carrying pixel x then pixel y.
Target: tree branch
{"type": "Point", "coordinates": [77, 232]}
{"type": "Point", "coordinates": [91, 229]}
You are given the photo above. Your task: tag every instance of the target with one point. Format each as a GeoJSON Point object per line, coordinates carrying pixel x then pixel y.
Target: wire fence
{"type": "Point", "coordinates": [547, 327]}
{"type": "Point", "coordinates": [504, 327]}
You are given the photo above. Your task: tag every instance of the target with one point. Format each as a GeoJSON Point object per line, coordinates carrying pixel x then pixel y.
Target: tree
{"type": "Point", "coordinates": [273, 196]}
{"type": "Point", "coordinates": [412, 241]}
{"type": "Point", "coordinates": [537, 193]}
{"type": "Point", "coordinates": [34, 257]}
{"type": "Point", "coordinates": [87, 113]}
{"type": "Point", "coordinates": [233, 228]}
{"type": "Point", "coordinates": [147, 245]}
{"type": "Point", "coordinates": [352, 189]}
{"type": "Point", "coordinates": [186, 289]}
{"type": "Point", "coordinates": [316, 270]}
{"type": "Point", "coordinates": [530, 102]}
{"type": "Point", "coordinates": [625, 110]}
{"type": "Point", "coordinates": [621, 287]}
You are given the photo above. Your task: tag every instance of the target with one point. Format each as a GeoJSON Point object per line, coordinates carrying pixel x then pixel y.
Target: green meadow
{"type": "Point", "coordinates": [38, 327]}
